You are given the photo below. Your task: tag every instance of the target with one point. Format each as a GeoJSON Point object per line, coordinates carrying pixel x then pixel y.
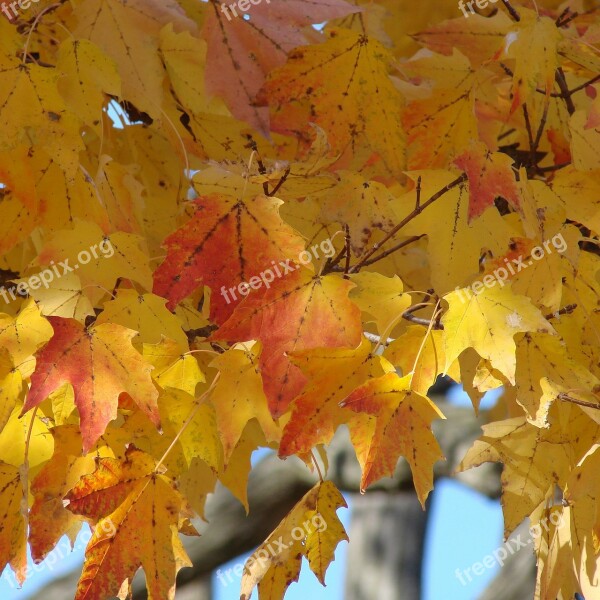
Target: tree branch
{"type": "Point", "coordinates": [511, 10]}
{"type": "Point", "coordinates": [419, 208]}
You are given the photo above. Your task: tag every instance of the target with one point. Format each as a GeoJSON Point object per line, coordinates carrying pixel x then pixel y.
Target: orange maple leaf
{"type": "Point", "coordinates": [403, 429]}
{"type": "Point", "coordinates": [100, 363]}
{"type": "Point", "coordinates": [138, 513]}
{"type": "Point", "coordinates": [226, 243]}
{"type": "Point", "coordinates": [299, 312]}
{"type": "Point", "coordinates": [490, 176]}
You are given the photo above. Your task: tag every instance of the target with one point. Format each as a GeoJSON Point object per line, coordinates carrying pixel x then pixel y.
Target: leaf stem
{"type": "Point", "coordinates": [25, 471]}
{"type": "Point", "coordinates": [424, 340]}
{"type": "Point", "coordinates": [317, 466]}
{"type": "Point", "coordinates": [187, 422]}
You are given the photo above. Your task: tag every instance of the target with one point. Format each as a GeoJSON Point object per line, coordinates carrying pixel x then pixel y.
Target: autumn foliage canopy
{"type": "Point", "coordinates": [223, 232]}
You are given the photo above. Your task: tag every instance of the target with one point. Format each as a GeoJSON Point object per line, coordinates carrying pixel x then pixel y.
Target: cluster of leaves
{"type": "Point", "coordinates": [132, 384]}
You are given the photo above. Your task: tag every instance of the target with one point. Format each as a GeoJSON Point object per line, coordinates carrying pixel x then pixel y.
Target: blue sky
{"type": "Point", "coordinates": [465, 527]}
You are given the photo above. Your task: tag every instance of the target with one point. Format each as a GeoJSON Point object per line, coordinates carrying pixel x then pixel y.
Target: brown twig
{"type": "Point", "coordinates": [571, 17]}
{"type": "Point", "coordinates": [584, 85]}
{"type": "Point", "coordinates": [564, 88]}
{"type": "Point", "coordinates": [280, 183]}
{"type": "Point", "coordinates": [421, 321]}
{"type": "Point", "coordinates": [540, 130]}
{"type": "Point", "coordinates": [529, 129]}
{"type": "Point", "coordinates": [506, 134]}
{"type": "Point", "coordinates": [563, 396]}
{"type": "Point", "coordinates": [419, 208]}
{"type": "Point", "coordinates": [261, 166]}
{"type": "Point", "coordinates": [509, 72]}
{"type": "Point", "coordinates": [566, 310]}
{"type": "Point", "coordinates": [347, 238]}
{"type": "Point", "coordinates": [409, 316]}
{"type": "Point", "coordinates": [393, 249]}
{"type": "Point", "coordinates": [511, 10]}
{"type": "Point", "coordinates": [554, 167]}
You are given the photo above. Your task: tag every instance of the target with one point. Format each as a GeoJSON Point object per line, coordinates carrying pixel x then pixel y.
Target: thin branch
{"type": "Point", "coordinates": [393, 249]}
{"type": "Point", "coordinates": [566, 310]}
{"type": "Point", "coordinates": [510, 73]}
{"type": "Point", "coordinates": [554, 167]}
{"type": "Point", "coordinates": [540, 130]}
{"type": "Point", "coordinates": [506, 134]}
{"type": "Point", "coordinates": [564, 88]}
{"type": "Point", "coordinates": [529, 131]}
{"type": "Point", "coordinates": [512, 11]}
{"type": "Point", "coordinates": [330, 264]}
{"type": "Point", "coordinates": [560, 23]}
{"type": "Point", "coordinates": [317, 466]}
{"type": "Point", "coordinates": [416, 212]}
{"type": "Point", "coordinates": [563, 396]}
{"type": "Point", "coordinates": [584, 85]}
{"type": "Point", "coordinates": [376, 339]}
{"type": "Point", "coordinates": [562, 15]}
{"type": "Point", "coordinates": [408, 314]}
{"type": "Point", "coordinates": [425, 322]}
{"type": "Point", "coordinates": [347, 238]}
{"type": "Point", "coordinates": [280, 182]}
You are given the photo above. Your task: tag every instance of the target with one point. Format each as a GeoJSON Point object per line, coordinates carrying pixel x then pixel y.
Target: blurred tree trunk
{"type": "Point", "coordinates": [388, 541]}
{"type": "Point", "coordinates": [199, 589]}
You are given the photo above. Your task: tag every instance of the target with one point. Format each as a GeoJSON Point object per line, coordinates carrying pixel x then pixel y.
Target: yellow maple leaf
{"type": "Point", "coordinates": [238, 397]}
{"type": "Point", "coordinates": [13, 538]}
{"type": "Point", "coordinates": [534, 459]}
{"type": "Point", "coordinates": [421, 354]}
{"type": "Point", "coordinates": [351, 95]}
{"type": "Point", "coordinates": [61, 297]}
{"type": "Point", "coordinates": [23, 335]}
{"type": "Point", "coordinates": [533, 45]}
{"type": "Point", "coordinates": [146, 314]}
{"type": "Point", "coordinates": [106, 257]}
{"type": "Point", "coordinates": [312, 529]}
{"type": "Point", "coordinates": [87, 74]}
{"type": "Point", "coordinates": [382, 298]}
{"type": "Point", "coordinates": [172, 369]}
{"type": "Point", "coordinates": [540, 356]}
{"type": "Point", "coordinates": [454, 251]}
{"type": "Point", "coordinates": [487, 322]}
{"type": "Point", "coordinates": [129, 34]}
{"type": "Point", "coordinates": [11, 384]}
